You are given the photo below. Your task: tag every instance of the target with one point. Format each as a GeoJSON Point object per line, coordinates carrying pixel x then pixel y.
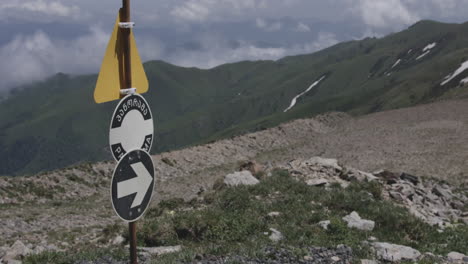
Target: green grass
{"type": "Point", "coordinates": [72, 257]}
{"type": "Point", "coordinates": [232, 221]}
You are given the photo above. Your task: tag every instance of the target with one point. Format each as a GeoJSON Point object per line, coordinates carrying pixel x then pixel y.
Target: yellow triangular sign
{"type": "Point", "coordinates": [110, 80]}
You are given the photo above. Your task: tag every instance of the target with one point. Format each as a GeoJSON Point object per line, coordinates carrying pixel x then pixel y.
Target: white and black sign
{"type": "Point", "coordinates": [132, 185]}
{"type": "Point", "coordinates": [131, 126]}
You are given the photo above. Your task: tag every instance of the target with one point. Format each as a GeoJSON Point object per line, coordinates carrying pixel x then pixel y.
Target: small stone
{"type": "Point", "coordinates": [388, 176]}
{"type": "Point", "coordinates": [324, 224]}
{"type": "Point", "coordinates": [14, 261]}
{"type": "Point", "coordinates": [439, 191]}
{"type": "Point", "coordinates": [355, 221]}
{"type": "Point", "coordinates": [393, 253]}
{"type": "Point", "coordinates": [17, 250]}
{"type": "Point", "coordinates": [455, 256]}
{"type": "Point", "coordinates": [308, 258]}
{"type": "Point", "coordinates": [397, 196]}
{"type": "Point", "coordinates": [160, 250]}
{"type": "Point", "coordinates": [368, 261]}
{"type": "Point", "coordinates": [276, 235]}
{"type": "Point", "coordinates": [411, 178]}
{"type": "Point", "coordinates": [240, 178]}
{"type": "Point", "coordinates": [274, 214]}
{"type": "Point", "coordinates": [39, 249]}
{"type": "Point", "coordinates": [371, 238]}
{"type": "Point", "coordinates": [352, 174]}
{"type": "Point", "coordinates": [118, 240]}
{"type": "Point", "coordinates": [335, 259]}
{"type": "Point", "coordinates": [317, 182]}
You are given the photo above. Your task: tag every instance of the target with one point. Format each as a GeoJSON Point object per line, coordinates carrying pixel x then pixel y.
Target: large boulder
{"type": "Point", "coordinates": [394, 253]}
{"type": "Point", "coordinates": [355, 221]}
{"type": "Point", "coordinates": [240, 178]}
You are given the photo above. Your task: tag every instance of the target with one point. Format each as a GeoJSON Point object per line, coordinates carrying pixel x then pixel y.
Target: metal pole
{"type": "Point", "coordinates": [133, 239]}
{"type": "Point", "coordinates": [125, 17]}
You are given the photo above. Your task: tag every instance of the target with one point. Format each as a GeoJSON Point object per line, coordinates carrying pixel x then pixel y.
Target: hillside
{"type": "Point", "coordinates": [419, 200]}
{"type": "Point", "coordinates": [55, 123]}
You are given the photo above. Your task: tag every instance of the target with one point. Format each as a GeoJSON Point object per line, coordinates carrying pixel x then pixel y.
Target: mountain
{"type": "Point", "coordinates": [55, 123]}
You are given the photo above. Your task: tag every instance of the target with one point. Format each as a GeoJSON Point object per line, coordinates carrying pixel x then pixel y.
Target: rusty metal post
{"type": "Point", "coordinates": [125, 17]}
{"type": "Point", "coordinates": [133, 239]}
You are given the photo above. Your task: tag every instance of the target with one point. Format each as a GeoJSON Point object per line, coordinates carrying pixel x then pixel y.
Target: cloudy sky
{"type": "Point", "coordinates": [43, 37]}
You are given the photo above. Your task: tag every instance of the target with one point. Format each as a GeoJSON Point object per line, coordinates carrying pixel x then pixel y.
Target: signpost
{"type": "Point", "coordinates": [131, 131]}
{"type": "Point", "coordinates": [132, 185]}
{"type": "Point", "coordinates": [131, 126]}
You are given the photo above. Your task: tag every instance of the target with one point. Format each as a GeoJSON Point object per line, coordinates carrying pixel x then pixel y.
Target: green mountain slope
{"type": "Point", "coordinates": [55, 123]}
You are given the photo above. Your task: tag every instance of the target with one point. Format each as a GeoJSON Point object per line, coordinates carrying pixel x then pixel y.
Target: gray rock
{"type": "Point", "coordinates": [323, 162]}
{"type": "Point", "coordinates": [276, 235]}
{"type": "Point", "coordinates": [335, 259]}
{"type": "Point", "coordinates": [13, 261]}
{"type": "Point", "coordinates": [394, 253]}
{"type": "Point", "coordinates": [118, 240]}
{"type": "Point", "coordinates": [455, 256]}
{"type": "Point", "coordinates": [324, 224]}
{"type": "Point", "coordinates": [16, 251]}
{"type": "Point", "coordinates": [388, 176]}
{"type": "Point", "coordinates": [38, 250]}
{"type": "Point", "coordinates": [274, 214]}
{"type": "Point", "coordinates": [352, 174]}
{"type": "Point", "coordinates": [317, 182]}
{"type": "Point", "coordinates": [160, 250]}
{"type": "Point", "coordinates": [465, 220]}
{"type": "Point", "coordinates": [240, 178]}
{"type": "Point", "coordinates": [368, 261]}
{"type": "Point", "coordinates": [355, 221]}
{"type": "Point", "coordinates": [397, 196]}
{"type": "Point", "coordinates": [410, 178]}
{"type": "Point", "coordinates": [439, 191]}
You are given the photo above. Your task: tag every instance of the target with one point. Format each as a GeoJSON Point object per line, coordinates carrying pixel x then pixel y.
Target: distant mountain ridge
{"type": "Point", "coordinates": [55, 123]}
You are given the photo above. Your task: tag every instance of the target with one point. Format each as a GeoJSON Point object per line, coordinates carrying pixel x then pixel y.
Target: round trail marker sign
{"type": "Point", "coordinates": [132, 185]}
{"type": "Point", "coordinates": [131, 126]}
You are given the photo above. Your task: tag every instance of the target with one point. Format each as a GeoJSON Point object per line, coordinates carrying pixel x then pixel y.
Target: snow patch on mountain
{"type": "Point", "coordinates": [429, 46]}
{"type": "Point", "coordinates": [461, 69]}
{"type": "Point", "coordinates": [422, 55]}
{"type": "Point", "coordinates": [294, 100]}
{"type": "Point", "coordinates": [396, 63]}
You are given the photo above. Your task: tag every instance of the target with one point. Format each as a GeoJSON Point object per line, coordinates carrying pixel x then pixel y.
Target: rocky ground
{"type": "Point", "coordinates": [70, 207]}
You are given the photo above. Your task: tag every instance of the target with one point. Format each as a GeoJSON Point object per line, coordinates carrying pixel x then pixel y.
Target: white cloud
{"type": "Point", "coordinates": [324, 40]}
{"type": "Point", "coordinates": [34, 57]}
{"type": "Point", "coordinates": [216, 51]}
{"type": "Point", "coordinates": [193, 10]}
{"type": "Point", "coordinates": [386, 13]}
{"type": "Point", "coordinates": [270, 27]}
{"type": "Point", "coordinates": [301, 27]}
{"type": "Point", "coordinates": [215, 10]}
{"type": "Point", "coordinates": [53, 8]}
